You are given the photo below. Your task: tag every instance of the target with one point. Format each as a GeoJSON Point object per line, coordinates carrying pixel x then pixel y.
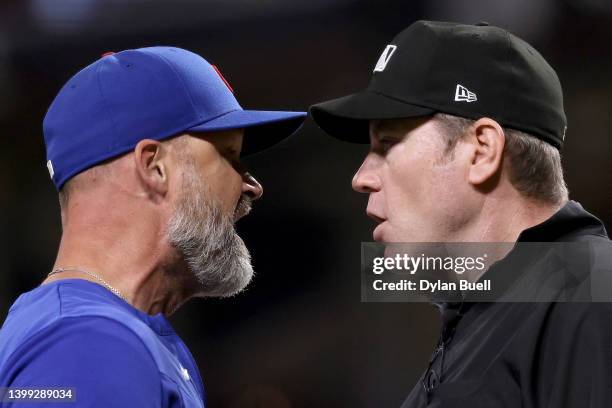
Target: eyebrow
{"type": "Point", "coordinates": [376, 129]}
{"type": "Point", "coordinates": [381, 132]}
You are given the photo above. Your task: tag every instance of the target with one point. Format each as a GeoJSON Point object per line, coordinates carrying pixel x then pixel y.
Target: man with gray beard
{"type": "Point", "coordinates": [144, 149]}
{"type": "Point", "coordinates": [206, 236]}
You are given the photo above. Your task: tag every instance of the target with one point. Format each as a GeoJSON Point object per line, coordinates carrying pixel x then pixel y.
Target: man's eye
{"type": "Point", "coordinates": [237, 164]}
{"type": "Point", "coordinates": [232, 155]}
{"type": "Point", "coordinates": [386, 144]}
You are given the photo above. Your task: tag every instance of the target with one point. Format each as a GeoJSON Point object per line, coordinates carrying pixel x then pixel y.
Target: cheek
{"type": "Point", "coordinates": [225, 183]}
{"type": "Point", "coordinates": [420, 190]}
{"type": "Point", "coordinates": [407, 184]}
{"type": "Point", "coordinates": [231, 185]}
{"type": "Point", "coordinates": [446, 184]}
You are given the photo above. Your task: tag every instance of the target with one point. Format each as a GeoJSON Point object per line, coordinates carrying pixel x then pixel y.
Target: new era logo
{"type": "Point", "coordinates": [462, 94]}
{"type": "Point", "coordinates": [384, 58]}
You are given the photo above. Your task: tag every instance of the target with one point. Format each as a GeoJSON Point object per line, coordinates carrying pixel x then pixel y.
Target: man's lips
{"type": "Point", "coordinates": [377, 234]}
{"type": "Point", "coordinates": [375, 217]}
{"type": "Point", "coordinates": [243, 207]}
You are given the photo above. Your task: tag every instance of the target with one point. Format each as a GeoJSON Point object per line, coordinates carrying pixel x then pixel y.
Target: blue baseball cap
{"type": "Point", "coordinates": [148, 93]}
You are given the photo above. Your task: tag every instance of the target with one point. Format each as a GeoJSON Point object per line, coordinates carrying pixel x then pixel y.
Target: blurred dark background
{"type": "Point", "coordinates": [299, 336]}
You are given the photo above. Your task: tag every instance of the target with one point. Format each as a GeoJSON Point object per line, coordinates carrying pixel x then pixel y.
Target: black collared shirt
{"type": "Point", "coordinates": [538, 354]}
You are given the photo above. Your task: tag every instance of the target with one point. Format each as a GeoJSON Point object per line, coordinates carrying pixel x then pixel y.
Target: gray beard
{"type": "Point", "coordinates": [208, 241]}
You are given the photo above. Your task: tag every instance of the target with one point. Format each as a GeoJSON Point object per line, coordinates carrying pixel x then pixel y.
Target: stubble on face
{"type": "Point", "coordinates": [421, 193]}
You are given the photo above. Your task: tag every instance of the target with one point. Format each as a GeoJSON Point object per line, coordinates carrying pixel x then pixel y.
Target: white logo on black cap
{"type": "Point", "coordinates": [564, 130]}
{"type": "Point", "coordinates": [384, 58]}
{"type": "Point", "coordinates": [462, 94]}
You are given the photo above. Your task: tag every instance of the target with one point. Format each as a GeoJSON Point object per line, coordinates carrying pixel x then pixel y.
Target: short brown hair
{"type": "Point", "coordinates": [534, 165]}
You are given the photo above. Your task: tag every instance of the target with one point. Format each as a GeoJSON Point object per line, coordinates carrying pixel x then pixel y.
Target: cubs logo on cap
{"type": "Point", "coordinates": [156, 93]}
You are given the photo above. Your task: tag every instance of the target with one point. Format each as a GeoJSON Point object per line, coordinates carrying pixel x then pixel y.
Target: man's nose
{"type": "Point", "coordinates": [251, 187]}
{"type": "Point", "coordinates": [366, 180]}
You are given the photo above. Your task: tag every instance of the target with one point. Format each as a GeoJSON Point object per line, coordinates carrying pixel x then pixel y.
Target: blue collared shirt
{"type": "Point", "coordinates": [76, 334]}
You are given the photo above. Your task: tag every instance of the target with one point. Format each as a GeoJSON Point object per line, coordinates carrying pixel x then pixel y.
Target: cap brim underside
{"type": "Point", "coordinates": [263, 129]}
{"type": "Point", "coordinates": [347, 118]}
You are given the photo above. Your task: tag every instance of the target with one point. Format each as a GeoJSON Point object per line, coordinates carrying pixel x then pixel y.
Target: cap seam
{"type": "Point", "coordinates": [507, 62]}
{"type": "Point", "coordinates": [216, 117]}
{"type": "Point", "coordinates": [431, 60]}
{"type": "Point", "coordinates": [401, 100]}
{"type": "Point", "coordinates": [180, 78]}
{"type": "Point", "coordinates": [107, 106]}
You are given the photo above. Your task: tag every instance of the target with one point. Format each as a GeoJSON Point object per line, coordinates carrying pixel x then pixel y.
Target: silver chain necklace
{"type": "Point", "coordinates": [93, 275]}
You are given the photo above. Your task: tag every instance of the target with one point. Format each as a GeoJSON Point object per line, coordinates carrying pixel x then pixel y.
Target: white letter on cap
{"type": "Point", "coordinates": [384, 58]}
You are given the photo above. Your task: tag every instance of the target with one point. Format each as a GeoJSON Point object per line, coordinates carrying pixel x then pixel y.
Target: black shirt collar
{"type": "Point", "coordinates": [568, 224]}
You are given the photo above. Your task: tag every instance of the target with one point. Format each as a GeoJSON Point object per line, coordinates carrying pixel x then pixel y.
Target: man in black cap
{"type": "Point", "coordinates": [465, 124]}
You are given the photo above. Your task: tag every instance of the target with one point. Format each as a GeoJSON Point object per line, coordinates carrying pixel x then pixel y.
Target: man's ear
{"type": "Point", "coordinates": [150, 160]}
{"type": "Point", "coordinates": [489, 140]}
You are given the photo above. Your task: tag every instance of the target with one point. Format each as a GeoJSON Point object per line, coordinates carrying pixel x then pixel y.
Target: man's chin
{"type": "Point", "coordinates": [377, 234]}
{"type": "Point", "coordinates": [231, 284]}
{"type": "Point", "coordinates": [237, 287]}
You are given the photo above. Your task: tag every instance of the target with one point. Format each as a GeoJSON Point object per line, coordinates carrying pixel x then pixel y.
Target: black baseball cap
{"type": "Point", "coordinates": [472, 71]}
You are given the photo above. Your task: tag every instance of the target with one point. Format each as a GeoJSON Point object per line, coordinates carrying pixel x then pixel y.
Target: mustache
{"type": "Point", "coordinates": [243, 207]}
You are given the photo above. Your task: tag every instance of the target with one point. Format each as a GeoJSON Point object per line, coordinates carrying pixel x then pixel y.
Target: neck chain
{"type": "Point", "coordinates": [93, 275]}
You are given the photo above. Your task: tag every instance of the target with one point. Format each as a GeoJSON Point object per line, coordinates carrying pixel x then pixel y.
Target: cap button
{"type": "Point", "coordinates": [482, 23]}
{"type": "Point", "coordinates": [106, 54]}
